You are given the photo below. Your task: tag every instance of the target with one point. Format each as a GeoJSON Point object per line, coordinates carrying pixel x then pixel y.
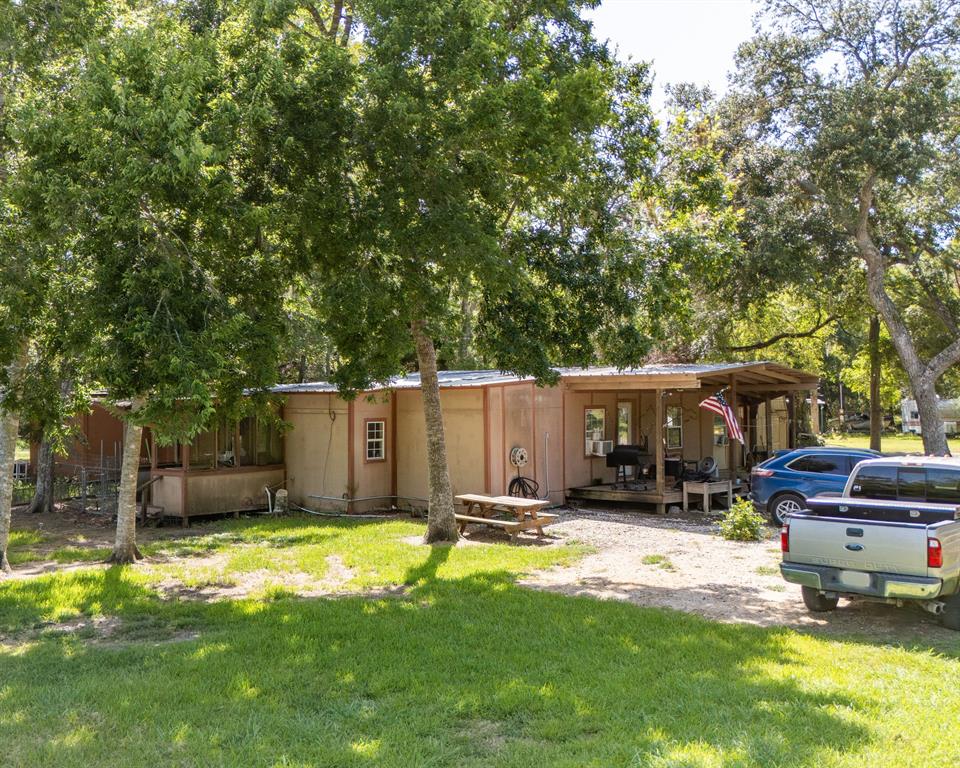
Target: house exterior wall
{"type": "Point", "coordinates": [214, 491]}
{"type": "Point", "coordinates": [372, 478]}
{"type": "Point", "coordinates": [780, 422]}
{"type": "Point", "coordinates": [581, 469]}
{"type": "Point", "coordinates": [234, 490]}
{"type": "Point", "coordinates": [99, 434]}
{"type": "Point", "coordinates": [548, 442]}
{"type": "Point", "coordinates": [496, 458]}
{"type": "Point", "coordinates": [168, 493]}
{"type": "Point", "coordinates": [316, 450]}
{"type": "Point", "coordinates": [463, 428]}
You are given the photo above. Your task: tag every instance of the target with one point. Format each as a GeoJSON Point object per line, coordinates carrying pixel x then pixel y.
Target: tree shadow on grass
{"type": "Point", "coordinates": [473, 671]}
{"type": "Point", "coordinates": [426, 571]}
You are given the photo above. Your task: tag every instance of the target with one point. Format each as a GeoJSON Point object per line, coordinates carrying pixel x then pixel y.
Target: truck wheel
{"type": "Point", "coordinates": [785, 504]}
{"type": "Point", "coordinates": [818, 602]}
{"type": "Point", "coordinates": [950, 618]}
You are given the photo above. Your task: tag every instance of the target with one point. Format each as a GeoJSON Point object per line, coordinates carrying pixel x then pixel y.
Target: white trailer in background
{"type": "Point", "coordinates": [949, 412]}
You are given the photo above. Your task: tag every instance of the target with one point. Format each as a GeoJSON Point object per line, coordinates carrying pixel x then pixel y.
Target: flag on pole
{"type": "Point", "coordinates": [719, 405]}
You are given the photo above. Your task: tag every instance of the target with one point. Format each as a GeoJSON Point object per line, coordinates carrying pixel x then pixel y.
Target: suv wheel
{"type": "Point", "coordinates": [785, 504]}
{"type": "Point", "coordinates": [818, 602]}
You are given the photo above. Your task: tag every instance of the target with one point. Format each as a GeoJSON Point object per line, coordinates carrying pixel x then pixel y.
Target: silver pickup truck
{"type": "Point", "coordinates": [893, 536]}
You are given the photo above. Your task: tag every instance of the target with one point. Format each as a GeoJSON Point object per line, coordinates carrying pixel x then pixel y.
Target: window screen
{"type": "Point", "coordinates": [832, 465]}
{"type": "Point", "coordinates": [875, 482]}
{"type": "Point", "coordinates": [943, 485]}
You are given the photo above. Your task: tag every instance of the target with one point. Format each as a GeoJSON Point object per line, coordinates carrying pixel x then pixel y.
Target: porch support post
{"type": "Point", "coordinates": [658, 442]}
{"type": "Point", "coordinates": [732, 451]}
{"type": "Point", "coordinates": [814, 412]}
{"type": "Point", "coordinates": [768, 424]}
{"type": "Point", "coordinates": [792, 413]}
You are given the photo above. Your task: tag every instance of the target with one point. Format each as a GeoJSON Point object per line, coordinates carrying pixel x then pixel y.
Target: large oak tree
{"type": "Point", "coordinates": [487, 148]}
{"type": "Point", "coordinates": [161, 205]}
{"type": "Point", "coordinates": [857, 105]}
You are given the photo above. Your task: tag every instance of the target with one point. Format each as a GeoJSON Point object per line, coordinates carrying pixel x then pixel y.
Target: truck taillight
{"type": "Point", "coordinates": [757, 472]}
{"type": "Point", "coordinates": [934, 554]}
{"type": "Point", "coordinates": [785, 538]}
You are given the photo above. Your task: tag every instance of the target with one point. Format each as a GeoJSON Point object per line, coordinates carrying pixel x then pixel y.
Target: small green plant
{"type": "Point", "coordinates": [768, 570]}
{"type": "Point", "coordinates": [662, 560]}
{"type": "Point", "coordinates": [742, 522]}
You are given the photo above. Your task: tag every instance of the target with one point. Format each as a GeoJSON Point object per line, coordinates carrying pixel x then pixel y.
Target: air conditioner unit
{"type": "Point", "coordinates": [602, 447]}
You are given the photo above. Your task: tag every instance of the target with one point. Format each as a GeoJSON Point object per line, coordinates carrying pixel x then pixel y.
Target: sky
{"type": "Point", "coordinates": [687, 40]}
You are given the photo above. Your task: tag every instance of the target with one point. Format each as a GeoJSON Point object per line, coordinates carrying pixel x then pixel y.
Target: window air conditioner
{"type": "Point", "coordinates": [602, 447]}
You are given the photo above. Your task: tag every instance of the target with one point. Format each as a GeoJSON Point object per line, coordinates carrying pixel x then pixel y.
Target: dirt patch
{"type": "Point", "coordinates": [681, 562]}
{"type": "Point", "coordinates": [215, 584]}
{"type": "Point", "coordinates": [106, 631]}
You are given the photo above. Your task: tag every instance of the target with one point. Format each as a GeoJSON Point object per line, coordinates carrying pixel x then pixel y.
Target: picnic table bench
{"type": "Point", "coordinates": [527, 513]}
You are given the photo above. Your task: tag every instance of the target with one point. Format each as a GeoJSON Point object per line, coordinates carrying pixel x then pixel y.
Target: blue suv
{"type": "Point", "coordinates": [782, 485]}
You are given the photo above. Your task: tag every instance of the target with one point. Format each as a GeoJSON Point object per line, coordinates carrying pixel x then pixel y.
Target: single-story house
{"type": "Point", "coordinates": [370, 452]}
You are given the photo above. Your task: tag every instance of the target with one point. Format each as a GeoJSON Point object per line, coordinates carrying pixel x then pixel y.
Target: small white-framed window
{"type": "Point", "coordinates": [376, 447]}
{"type": "Point", "coordinates": [625, 423]}
{"type": "Point", "coordinates": [594, 427]}
{"type": "Point", "coordinates": [674, 427]}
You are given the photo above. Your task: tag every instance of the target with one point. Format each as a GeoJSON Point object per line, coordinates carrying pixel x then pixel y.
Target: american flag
{"type": "Point", "coordinates": [719, 405]}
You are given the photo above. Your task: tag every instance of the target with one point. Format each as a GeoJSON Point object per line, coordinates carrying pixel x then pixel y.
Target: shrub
{"type": "Point", "coordinates": [742, 522]}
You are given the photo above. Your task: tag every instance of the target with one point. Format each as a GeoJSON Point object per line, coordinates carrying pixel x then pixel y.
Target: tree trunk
{"type": "Point", "coordinates": [931, 421]}
{"type": "Point", "coordinates": [441, 523]}
{"type": "Point", "coordinates": [9, 424]}
{"type": "Point", "coordinates": [9, 427]}
{"type": "Point", "coordinates": [876, 415]}
{"type": "Point", "coordinates": [125, 546]}
{"type": "Point", "coordinates": [923, 375]}
{"type": "Point", "coordinates": [43, 496]}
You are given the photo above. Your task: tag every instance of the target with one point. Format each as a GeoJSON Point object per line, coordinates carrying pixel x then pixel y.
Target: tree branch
{"type": "Point", "coordinates": [317, 17]}
{"type": "Point", "coordinates": [781, 336]}
{"type": "Point", "coordinates": [335, 19]}
{"type": "Point", "coordinates": [947, 357]}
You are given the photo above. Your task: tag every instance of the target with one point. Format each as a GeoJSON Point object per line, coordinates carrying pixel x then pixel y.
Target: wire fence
{"type": "Point", "coordinates": [90, 489]}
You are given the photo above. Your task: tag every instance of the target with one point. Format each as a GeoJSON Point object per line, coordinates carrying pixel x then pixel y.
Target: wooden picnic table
{"type": "Point", "coordinates": [527, 513]}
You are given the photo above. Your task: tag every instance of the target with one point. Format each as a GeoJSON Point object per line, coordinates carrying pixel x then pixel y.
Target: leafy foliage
{"type": "Point", "coordinates": [742, 522]}
{"type": "Point", "coordinates": [177, 296]}
{"type": "Point", "coordinates": [850, 110]}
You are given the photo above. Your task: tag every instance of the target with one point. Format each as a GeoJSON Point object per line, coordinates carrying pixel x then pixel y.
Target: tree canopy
{"type": "Point", "coordinates": [855, 104]}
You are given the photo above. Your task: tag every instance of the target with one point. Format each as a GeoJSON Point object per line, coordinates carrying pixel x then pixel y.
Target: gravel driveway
{"type": "Point", "coordinates": [680, 562]}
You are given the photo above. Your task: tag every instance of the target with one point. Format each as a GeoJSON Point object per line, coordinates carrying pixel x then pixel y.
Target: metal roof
{"type": "Point", "coordinates": [455, 379]}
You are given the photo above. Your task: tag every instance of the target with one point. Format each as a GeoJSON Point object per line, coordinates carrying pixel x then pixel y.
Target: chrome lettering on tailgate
{"type": "Point", "coordinates": [862, 565]}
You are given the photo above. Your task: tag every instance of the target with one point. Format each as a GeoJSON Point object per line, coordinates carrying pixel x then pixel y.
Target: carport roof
{"type": "Point", "coordinates": [760, 374]}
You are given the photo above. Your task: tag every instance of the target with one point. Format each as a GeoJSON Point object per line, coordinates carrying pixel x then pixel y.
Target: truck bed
{"type": "Point", "coordinates": [878, 510]}
{"type": "Point", "coordinates": [874, 548]}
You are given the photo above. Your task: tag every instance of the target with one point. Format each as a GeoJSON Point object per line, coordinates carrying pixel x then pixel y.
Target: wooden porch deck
{"type": "Point", "coordinates": [607, 492]}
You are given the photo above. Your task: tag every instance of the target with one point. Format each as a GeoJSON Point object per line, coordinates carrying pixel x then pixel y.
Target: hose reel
{"type": "Point", "coordinates": [519, 457]}
{"type": "Point", "coordinates": [521, 486]}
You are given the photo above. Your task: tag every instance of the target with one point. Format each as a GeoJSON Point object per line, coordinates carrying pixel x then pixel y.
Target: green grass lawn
{"type": "Point", "coordinates": [895, 443]}
{"type": "Point", "coordinates": [463, 668]}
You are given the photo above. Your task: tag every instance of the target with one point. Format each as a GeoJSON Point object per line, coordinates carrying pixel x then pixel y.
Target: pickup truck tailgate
{"type": "Point", "coordinates": [858, 545]}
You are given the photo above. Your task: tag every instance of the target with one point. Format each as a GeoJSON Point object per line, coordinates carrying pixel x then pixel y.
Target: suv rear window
{"type": "Point", "coordinates": [875, 482]}
{"type": "Point", "coordinates": [943, 485]}
{"type": "Point", "coordinates": [833, 465]}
